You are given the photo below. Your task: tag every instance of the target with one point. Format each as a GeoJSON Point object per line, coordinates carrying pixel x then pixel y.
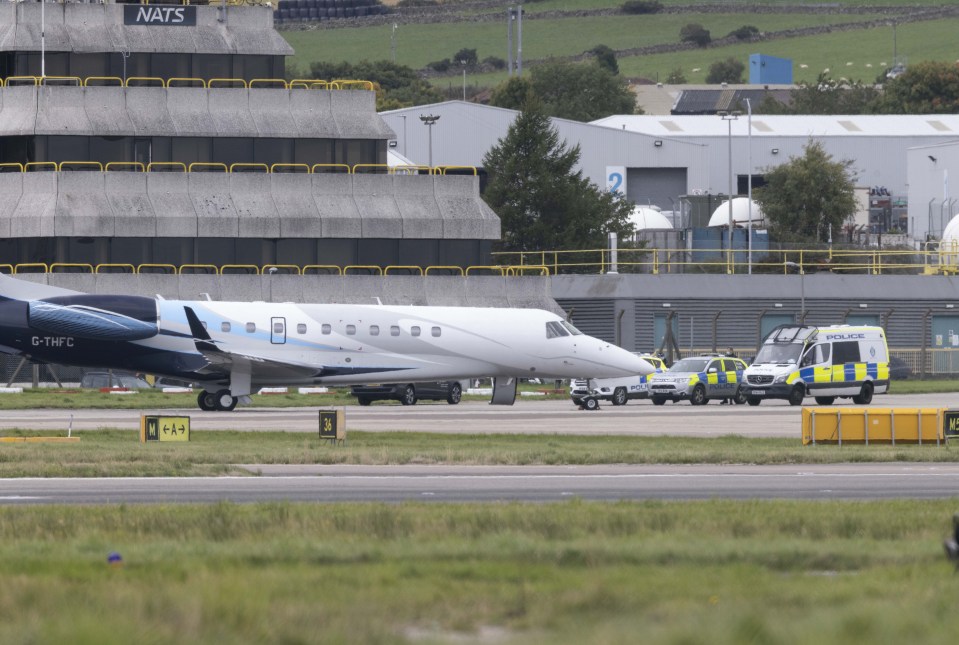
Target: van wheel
{"type": "Point", "coordinates": [797, 394]}
{"type": "Point", "coordinates": [865, 397]}
{"type": "Point", "coordinates": [362, 400]}
{"type": "Point", "coordinates": [825, 400]}
{"type": "Point", "coordinates": [658, 400]}
{"type": "Point", "coordinates": [619, 396]}
{"type": "Point", "coordinates": [698, 397]}
{"type": "Point", "coordinates": [754, 401]}
{"type": "Point", "coordinates": [739, 398]}
{"type": "Point", "coordinates": [590, 403]}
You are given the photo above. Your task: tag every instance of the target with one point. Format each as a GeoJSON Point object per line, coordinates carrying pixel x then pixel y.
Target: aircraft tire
{"type": "Point", "coordinates": [206, 401]}
{"type": "Point", "coordinates": [455, 394]}
{"type": "Point", "coordinates": [591, 403]}
{"type": "Point", "coordinates": [619, 396]}
{"type": "Point", "coordinates": [225, 402]}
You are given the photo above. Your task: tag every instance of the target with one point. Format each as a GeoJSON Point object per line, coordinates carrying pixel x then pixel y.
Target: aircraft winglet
{"type": "Point", "coordinates": [204, 343]}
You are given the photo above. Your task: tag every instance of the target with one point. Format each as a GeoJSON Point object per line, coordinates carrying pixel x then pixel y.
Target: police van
{"type": "Point", "coordinates": [796, 361]}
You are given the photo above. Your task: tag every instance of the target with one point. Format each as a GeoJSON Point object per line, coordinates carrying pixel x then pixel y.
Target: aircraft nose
{"type": "Point", "coordinates": [624, 363]}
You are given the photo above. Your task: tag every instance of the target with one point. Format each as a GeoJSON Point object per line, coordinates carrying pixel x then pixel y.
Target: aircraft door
{"type": "Point", "coordinates": [278, 331]}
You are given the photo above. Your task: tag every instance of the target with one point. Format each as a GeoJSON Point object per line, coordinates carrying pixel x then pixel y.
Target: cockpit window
{"type": "Point", "coordinates": [555, 329]}
{"type": "Point", "coordinates": [572, 330]}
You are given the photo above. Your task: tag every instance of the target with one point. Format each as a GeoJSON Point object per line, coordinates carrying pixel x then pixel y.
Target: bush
{"type": "Point", "coordinates": [694, 33]}
{"type": "Point", "coordinates": [468, 55]}
{"type": "Point", "coordinates": [641, 6]}
{"type": "Point", "coordinates": [726, 71]}
{"type": "Point", "coordinates": [494, 62]}
{"type": "Point", "coordinates": [746, 32]}
{"type": "Point", "coordinates": [676, 77]}
{"type": "Point", "coordinates": [417, 3]}
{"type": "Point", "coordinates": [439, 65]}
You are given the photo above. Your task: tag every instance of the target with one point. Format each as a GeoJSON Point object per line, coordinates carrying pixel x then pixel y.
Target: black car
{"type": "Point", "coordinates": [409, 393]}
{"type": "Point", "coordinates": [113, 379]}
{"type": "Point", "coordinates": [898, 369]}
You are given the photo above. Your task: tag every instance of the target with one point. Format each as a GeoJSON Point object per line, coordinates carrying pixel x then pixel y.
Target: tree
{"type": "Point", "coordinates": [676, 77]}
{"type": "Point", "coordinates": [826, 96]}
{"type": "Point", "coordinates": [397, 86]}
{"type": "Point", "coordinates": [929, 87]}
{"type": "Point", "coordinates": [542, 202]}
{"type": "Point", "coordinates": [579, 91]}
{"type": "Point", "coordinates": [606, 58]}
{"type": "Point", "coordinates": [466, 55]}
{"type": "Point", "coordinates": [695, 33]}
{"type": "Point", "coordinates": [726, 71]}
{"type": "Point", "coordinates": [809, 197]}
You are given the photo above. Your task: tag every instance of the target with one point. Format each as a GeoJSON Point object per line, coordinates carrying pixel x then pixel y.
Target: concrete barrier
{"type": "Point", "coordinates": [354, 112]}
{"type": "Point", "coordinates": [133, 213]}
{"type": "Point", "coordinates": [230, 111]}
{"type": "Point", "coordinates": [466, 215]}
{"type": "Point", "coordinates": [270, 111]}
{"type": "Point", "coordinates": [215, 214]}
{"type": "Point", "coordinates": [34, 214]}
{"type": "Point", "coordinates": [169, 193]}
{"type": "Point", "coordinates": [18, 115]}
{"type": "Point", "coordinates": [313, 114]}
{"type": "Point", "coordinates": [28, 27]}
{"type": "Point", "coordinates": [339, 215]}
{"type": "Point", "coordinates": [60, 111]}
{"type": "Point", "coordinates": [147, 109]}
{"type": "Point", "coordinates": [374, 199]}
{"type": "Point", "coordinates": [82, 208]}
{"type": "Point", "coordinates": [88, 28]}
{"type": "Point", "coordinates": [190, 112]}
{"type": "Point", "coordinates": [11, 186]}
{"type": "Point", "coordinates": [292, 197]}
{"type": "Point", "coordinates": [417, 205]}
{"type": "Point", "coordinates": [106, 112]}
{"type": "Point", "coordinates": [256, 213]}
{"type": "Point", "coordinates": [532, 292]}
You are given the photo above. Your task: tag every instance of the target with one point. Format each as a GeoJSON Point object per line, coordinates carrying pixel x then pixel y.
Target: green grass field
{"type": "Point", "coordinates": [705, 572]}
{"type": "Point", "coordinates": [868, 50]}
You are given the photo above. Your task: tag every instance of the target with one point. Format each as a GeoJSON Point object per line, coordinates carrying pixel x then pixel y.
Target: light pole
{"type": "Point", "coordinates": [393, 43]}
{"type": "Point", "coordinates": [729, 117]}
{"type": "Point", "coordinates": [464, 79]}
{"type": "Point", "coordinates": [749, 186]}
{"type": "Point", "coordinates": [802, 290]}
{"type": "Point", "coordinates": [429, 120]}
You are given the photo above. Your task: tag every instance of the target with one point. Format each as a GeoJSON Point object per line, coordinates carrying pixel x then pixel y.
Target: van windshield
{"type": "Point", "coordinates": [776, 353]}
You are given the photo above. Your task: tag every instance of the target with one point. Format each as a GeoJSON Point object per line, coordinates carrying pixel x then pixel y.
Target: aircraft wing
{"type": "Point", "coordinates": [222, 360]}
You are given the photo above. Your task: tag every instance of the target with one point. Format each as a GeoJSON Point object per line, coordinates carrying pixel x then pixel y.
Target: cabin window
{"type": "Point", "coordinates": [436, 331]}
{"type": "Point", "coordinates": [350, 330]}
{"type": "Point", "coordinates": [277, 328]}
{"type": "Point", "coordinates": [555, 329]}
{"type": "Point", "coordinates": [301, 328]}
{"type": "Point", "coordinates": [224, 326]}
{"type": "Point", "coordinates": [326, 329]}
{"type": "Point", "coordinates": [250, 328]}
{"type": "Point", "coordinates": [374, 330]}
{"type": "Point", "coordinates": [414, 330]}
{"type": "Point", "coordinates": [394, 330]}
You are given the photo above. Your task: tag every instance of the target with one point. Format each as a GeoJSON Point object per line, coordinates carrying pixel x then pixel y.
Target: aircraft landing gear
{"type": "Point", "coordinates": [221, 401]}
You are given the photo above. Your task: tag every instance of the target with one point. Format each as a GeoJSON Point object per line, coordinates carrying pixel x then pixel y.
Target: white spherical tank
{"type": "Point", "coordinates": [643, 218]}
{"type": "Point", "coordinates": [720, 216]}
{"type": "Point", "coordinates": [949, 244]}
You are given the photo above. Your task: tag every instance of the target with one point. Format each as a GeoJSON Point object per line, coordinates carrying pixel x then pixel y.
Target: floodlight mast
{"type": "Point", "coordinates": [429, 120]}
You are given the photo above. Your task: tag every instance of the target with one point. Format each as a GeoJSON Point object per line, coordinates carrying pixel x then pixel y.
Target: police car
{"type": "Point", "coordinates": [699, 378]}
{"type": "Point", "coordinates": [588, 393]}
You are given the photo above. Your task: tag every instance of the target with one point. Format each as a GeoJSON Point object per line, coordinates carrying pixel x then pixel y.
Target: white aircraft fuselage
{"type": "Point", "coordinates": [235, 348]}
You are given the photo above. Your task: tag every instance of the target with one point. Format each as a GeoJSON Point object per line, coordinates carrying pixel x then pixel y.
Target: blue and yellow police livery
{"type": "Point", "coordinates": [699, 379]}
{"type": "Point", "coordinates": [796, 361]}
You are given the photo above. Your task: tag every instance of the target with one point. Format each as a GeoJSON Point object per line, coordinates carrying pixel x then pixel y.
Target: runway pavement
{"type": "Point", "coordinates": [771, 419]}
{"type": "Point", "coordinates": [500, 483]}
{"type": "Point", "coordinates": [472, 483]}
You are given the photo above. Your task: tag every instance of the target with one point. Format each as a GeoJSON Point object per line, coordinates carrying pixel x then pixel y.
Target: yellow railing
{"type": "Point", "coordinates": [168, 166]}
{"type": "Point", "coordinates": [184, 81]}
{"type": "Point", "coordinates": [717, 261]}
{"type": "Point", "coordinates": [272, 269]}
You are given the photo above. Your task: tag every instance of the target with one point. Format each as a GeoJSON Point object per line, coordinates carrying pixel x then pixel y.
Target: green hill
{"type": "Point", "coordinates": [851, 38]}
